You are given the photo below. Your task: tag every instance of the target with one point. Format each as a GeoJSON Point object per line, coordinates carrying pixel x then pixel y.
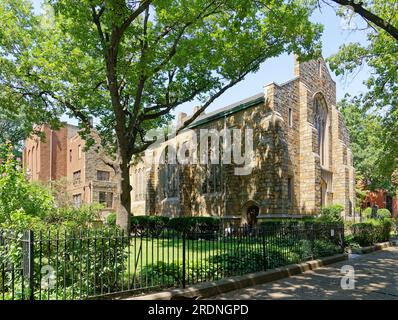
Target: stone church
{"type": "Point", "coordinates": [301, 158]}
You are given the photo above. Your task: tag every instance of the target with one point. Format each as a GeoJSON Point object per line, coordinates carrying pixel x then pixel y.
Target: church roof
{"type": "Point", "coordinates": [228, 110]}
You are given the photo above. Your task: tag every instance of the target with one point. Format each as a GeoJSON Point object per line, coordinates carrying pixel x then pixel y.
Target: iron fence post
{"type": "Point", "coordinates": [183, 258]}
{"type": "Point", "coordinates": [342, 238]}
{"type": "Point", "coordinates": [312, 239]}
{"type": "Point", "coordinates": [264, 251]}
{"type": "Point", "coordinates": [28, 261]}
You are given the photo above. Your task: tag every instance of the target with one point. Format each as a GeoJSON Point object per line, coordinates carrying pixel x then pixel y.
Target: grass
{"type": "Point", "coordinates": [144, 252]}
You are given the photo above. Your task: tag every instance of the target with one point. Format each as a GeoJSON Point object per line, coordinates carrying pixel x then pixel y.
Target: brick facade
{"type": "Point", "coordinates": [382, 199]}
{"type": "Point", "coordinates": [296, 170]}
{"type": "Point", "coordinates": [61, 155]}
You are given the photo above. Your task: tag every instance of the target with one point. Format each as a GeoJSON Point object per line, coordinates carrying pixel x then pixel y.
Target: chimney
{"type": "Point", "coordinates": [181, 118]}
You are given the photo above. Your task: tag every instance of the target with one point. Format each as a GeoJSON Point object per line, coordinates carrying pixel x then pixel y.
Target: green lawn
{"type": "Point", "coordinates": [143, 252]}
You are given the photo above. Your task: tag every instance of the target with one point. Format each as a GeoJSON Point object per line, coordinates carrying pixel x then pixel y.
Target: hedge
{"type": "Point", "coordinates": [371, 231]}
{"type": "Point", "coordinates": [148, 225]}
{"type": "Point", "coordinates": [154, 225]}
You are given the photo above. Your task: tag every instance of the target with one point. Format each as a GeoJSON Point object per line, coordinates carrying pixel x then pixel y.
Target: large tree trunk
{"type": "Point", "coordinates": [124, 190]}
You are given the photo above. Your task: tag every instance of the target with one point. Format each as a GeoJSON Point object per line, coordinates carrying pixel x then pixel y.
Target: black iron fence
{"type": "Point", "coordinates": [98, 263]}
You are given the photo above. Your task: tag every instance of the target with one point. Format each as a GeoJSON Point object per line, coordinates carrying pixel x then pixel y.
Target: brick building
{"type": "Point", "coordinates": [60, 156]}
{"type": "Point", "coordinates": [301, 160]}
{"type": "Point", "coordinates": [382, 199]}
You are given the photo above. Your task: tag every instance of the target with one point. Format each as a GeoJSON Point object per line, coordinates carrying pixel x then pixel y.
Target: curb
{"type": "Point", "coordinates": [209, 289]}
{"type": "Point", "coordinates": [375, 247]}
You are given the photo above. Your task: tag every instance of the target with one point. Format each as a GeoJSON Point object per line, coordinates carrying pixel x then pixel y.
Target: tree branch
{"type": "Point", "coordinates": [219, 93]}
{"type": "Point", "coordinates": [369, 16]}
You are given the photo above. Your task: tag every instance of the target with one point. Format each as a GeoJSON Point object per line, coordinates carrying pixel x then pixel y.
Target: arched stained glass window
{"type": "Point", "coordinates": [320, 123]}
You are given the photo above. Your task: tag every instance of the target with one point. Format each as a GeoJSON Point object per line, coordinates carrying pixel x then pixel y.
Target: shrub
{"type": "Point", "coordinates": [161, 274]}
{"type": "Point", "coordinates": [238, 262]}
{"type": "Point", "coordinates": [164, 274]}
{"type": "Point", "coordinates": [17, 195]}
{"type": "Point", "coordinates": [195, 224]}
{"type": "Point", "coordinates": [383, 213]}
{"type": "Point", "coordinates": [111, 219]}
{"type": "Point", "coordinates": [395, 225]}
{"type": "Point", "coordinates": [371, 231]}
{"type": "Point", "coordinates": [324, 248]}
{"type": "Point", "coordinates": [69, 253]}
{"type": "Point", "coordinates": [367, 213]}
{"type": "Point", "coordinates": [148, 225]}
{"type": "Point", "coordinates": [287, 222]}
{"type": "Point", "coordinates": [332, 213]}
{"type": "Point", "coordinates": [196, 227]}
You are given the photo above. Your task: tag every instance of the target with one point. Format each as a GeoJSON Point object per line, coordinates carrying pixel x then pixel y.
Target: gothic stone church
{"type": "Point", "coordinates": [302, 158]}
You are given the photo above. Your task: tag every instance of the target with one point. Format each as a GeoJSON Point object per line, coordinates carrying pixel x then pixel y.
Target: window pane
{"type": "Point", "coordinates": [76, 176]}
{"type": "Point", "coordinates": [103, 175]}
{"type": "Point", "coordinates": [77, 200]}
{"type": "Point", "coordinates": [289, 189]}
{"type": "Point", "coordinates": [106, 198]}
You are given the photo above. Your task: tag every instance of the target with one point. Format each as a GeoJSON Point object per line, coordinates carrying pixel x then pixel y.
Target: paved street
{"type": "Point", "coordinates": [376, 277]}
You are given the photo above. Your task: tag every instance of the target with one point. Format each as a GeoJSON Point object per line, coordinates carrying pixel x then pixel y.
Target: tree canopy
{"type": "Point", "coordinates": [130, 63]}
{"type": "Point", "coordinates": [380, 101]}
{"type": "Point", "coordinates": [366, 141]}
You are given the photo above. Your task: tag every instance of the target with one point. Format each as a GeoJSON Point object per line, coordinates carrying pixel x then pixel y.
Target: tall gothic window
{"type": "Point", "coordinates": [168, 175]}
{"type": "Point", "coordinates": [139, 184]}
{"type": "Point", "coordinates": [320, 123]}
{"type": "Point", "coordinates": [212, 181]}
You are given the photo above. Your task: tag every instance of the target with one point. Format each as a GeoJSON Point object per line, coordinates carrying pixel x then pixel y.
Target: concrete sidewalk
{"type": "Point", "coordinates": [376, 277]}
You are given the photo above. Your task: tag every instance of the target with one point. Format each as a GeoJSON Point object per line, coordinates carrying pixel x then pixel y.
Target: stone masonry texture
{"type": "Point", "coordinates": [286, 152]}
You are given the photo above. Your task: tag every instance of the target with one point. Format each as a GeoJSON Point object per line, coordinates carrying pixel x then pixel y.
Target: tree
{"type": "Point", "coordinates": [366, 141]}
{"type": "Point", "coordinates": [370, 11]}
{"type": "Point", "coordinates": [381, 55]}
{"type": "Point", "coordinates": [11, 131]}
{"type": "Point", "coordinates": [18, 197]}
{"type": "Point", "coordinates": [130, 63]}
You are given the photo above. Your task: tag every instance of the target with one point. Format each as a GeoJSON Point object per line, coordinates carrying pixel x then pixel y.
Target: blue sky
{"type": "Point", "coordinates": [280, 69]}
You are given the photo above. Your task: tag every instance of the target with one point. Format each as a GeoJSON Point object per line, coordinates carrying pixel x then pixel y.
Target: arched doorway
{"type": "Point", "coordinates": [251, 215]}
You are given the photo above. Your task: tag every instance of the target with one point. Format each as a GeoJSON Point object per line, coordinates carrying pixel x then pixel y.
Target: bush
{"type": "Point", "coordinates": [111, 219]}
{"type": "Point", "coordinates": [395, 225]}
{"type": "Point", "coordinates": [383, 213]}
{"type": "Point", "coordinates": [367, 212]}
{"type": "Point", "coordinates": [238, 262]}
{"type": "Point", "coordinates": [324, 248]}
{"type": "Point", "coordinates": [332, 213]}
{"type": "Point", "coordinates": [196, 227]}
{"type": "Point", "coordinates": [371, 231]}
{"type": "Point", "coordinates": [288, 222]}
{"type": "Point", "coordinates": [162, 274]}
{"type": "Point", "coordinates": [195, 224]}
{"type": "Point", "coordinates": [17, 195]}
{"type": "Point", "coordinates": [148, 225]}
{"type": "Point", "coordinates": [68, 253]}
